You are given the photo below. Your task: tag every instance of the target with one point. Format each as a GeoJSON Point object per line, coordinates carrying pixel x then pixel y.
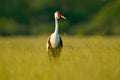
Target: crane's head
{"type": "Point", "coordinates": [58, 15]}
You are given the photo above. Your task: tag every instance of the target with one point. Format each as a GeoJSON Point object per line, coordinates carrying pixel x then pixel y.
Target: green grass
{"type": "Point", "coordinates": [82, 58]}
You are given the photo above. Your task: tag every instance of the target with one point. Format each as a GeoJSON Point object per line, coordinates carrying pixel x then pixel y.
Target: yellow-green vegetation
{"type": "Point", "coordinates": [82, 58]}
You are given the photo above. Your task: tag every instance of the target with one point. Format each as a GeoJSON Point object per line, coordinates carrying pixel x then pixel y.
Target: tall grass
{"type": "Point", "coordinates": [82, 58]}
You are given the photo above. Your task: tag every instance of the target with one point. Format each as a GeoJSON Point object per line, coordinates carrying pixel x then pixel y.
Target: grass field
{"type": "Point", "coordinates": [82, 58]}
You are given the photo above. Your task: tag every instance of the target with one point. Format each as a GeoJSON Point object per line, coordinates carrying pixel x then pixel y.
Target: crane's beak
{"type": "Point", "coordinates": [63, 17]}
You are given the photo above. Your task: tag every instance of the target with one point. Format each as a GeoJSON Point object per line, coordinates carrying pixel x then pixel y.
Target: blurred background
{"type": "Point", "coordinates": [36, 17]}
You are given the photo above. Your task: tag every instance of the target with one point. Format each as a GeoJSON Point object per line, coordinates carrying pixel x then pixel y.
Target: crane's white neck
{"type": "Point", "coordinates": [56, 26]}
{"type": "Point", "coordinates": [55, 36]}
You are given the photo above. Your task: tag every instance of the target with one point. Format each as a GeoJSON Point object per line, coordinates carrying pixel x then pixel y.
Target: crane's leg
{"type": "Point", "coordinates": [58, 51]}
{"type": "Point", "coordinates": [49, 56]}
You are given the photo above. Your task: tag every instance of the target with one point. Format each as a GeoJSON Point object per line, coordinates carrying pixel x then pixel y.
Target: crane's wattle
{"type": "Point", "coordinates": [59, 15]}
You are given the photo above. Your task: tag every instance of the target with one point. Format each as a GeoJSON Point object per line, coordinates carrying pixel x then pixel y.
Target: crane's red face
{"type": "Point", "coordinates": [59, 15]}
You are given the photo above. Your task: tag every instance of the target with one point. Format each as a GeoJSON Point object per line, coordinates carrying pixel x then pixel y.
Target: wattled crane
{"type": "Point", "coordinates": [54, 42]}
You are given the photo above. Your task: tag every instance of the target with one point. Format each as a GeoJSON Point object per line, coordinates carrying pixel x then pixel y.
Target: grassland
{"type": "Point", "coordinates": [82, 58]}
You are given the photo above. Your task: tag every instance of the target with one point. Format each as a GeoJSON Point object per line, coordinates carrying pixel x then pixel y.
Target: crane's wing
{"type": "Point", "coordinates": [61, 42]}
{"type": "Point", "coordinates": [48, 44]}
